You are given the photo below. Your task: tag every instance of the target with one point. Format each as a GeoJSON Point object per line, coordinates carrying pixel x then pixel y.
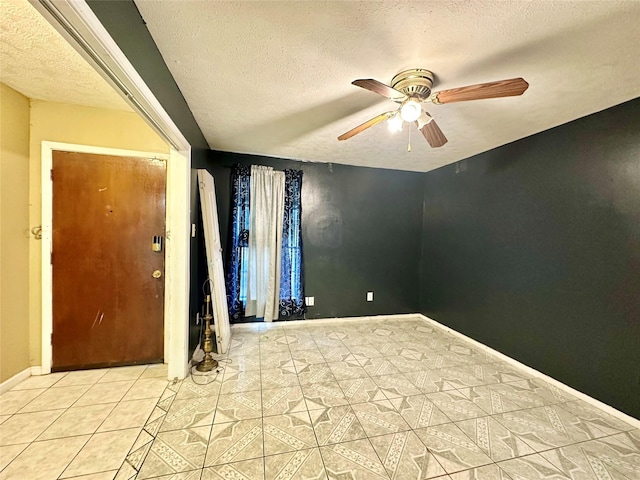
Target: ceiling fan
{"type": "Point", "coordinates": [411, 88]}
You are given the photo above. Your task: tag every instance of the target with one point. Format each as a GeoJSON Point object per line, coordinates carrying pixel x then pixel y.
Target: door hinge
{"type": "Point", "coordinates": [51, 339]}
{"type": "Point", "coordinates": [51, 174]}
{"type": "Point", "coordinates": [51, 258]}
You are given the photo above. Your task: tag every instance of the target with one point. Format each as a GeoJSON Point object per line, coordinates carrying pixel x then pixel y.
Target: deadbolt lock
{"type": "Point", "coordinates": [156, 274]}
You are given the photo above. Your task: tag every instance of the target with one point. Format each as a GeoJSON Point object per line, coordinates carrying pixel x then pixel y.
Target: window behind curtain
{"type": "Point", "coordinates": [291, 276]}
{"type": "Point", "coordinates": [238, 252]}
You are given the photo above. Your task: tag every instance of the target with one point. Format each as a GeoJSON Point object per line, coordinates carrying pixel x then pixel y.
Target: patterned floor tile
{"type": "Point", "coordinates": [277, 401]}
{"type": "Point", "coordinates": [418, 411]}
{"type": "Point", "coordinates": [190, 475]}
{"type": "Point", "coordinates": [306, 357]}
{"type": "Point", "coordinates": [244, 362]}
{"type": "Point", "coordinates": [236, 381]}
{"type": "Point", "coordinates": [336, 425]}
{"type": "Point", "coordinates": [286, 433]}
{"type": "Point", "coordinates": [379, 418]}
{"type": "Point", "coordinates": [356, 460]}
{"type": "Point", "coordinates": [456, 405]}
{"type": "Point", "coordinates": [593, 421]}
{"type": "Point", "coordinates": [298, 465]}
{"type": "Point", "coordinates": [315, 373]}
{"type": "Point", "coordinates": [580, 464]}
{"type": "Point", "coordinates": [551, 392]}
{"type": "Point", "coordinates": [494, 439]}
{"type": "Point", "coordinates": [193, 387]}
{"type": "Point", "coordinates": [506, 397]}
{"type": "Point", "coordinates": [488, 472]}
{"type": "Point", "coordinates": [359, 390]}
{"type": "Point", "coordinates": [386, 348]}
{"type": "Point", "coordinates": [621, 451]}
{"type": "Point", "coordinates": [322, 395]}
{"type": "Point", "coordinates": [543, 428]}
{"type": "Point", "coordinates": [404, 456]}
{"type": "Point", "coordinates": [532, 467]}
{"type": "Point", "coordinates": [396, 385]}
{"type": "Point", "coordinates": [334, 353]}
{"type": "Point", "coordinates": [404, 364]}
{"type": "Point", "coordinates": [427, 381]}
{"type": "Point", "coordinates": [189, 413]}
{"type": "Point", "coordinates": [365, 351]}
{"type": "Point", "coordinates": [344, 370]}
{"type": "Point", "coordinates": [452, 448]}
{"type": "Point", "coordinates": [379, 366]}
{"type": "Point", "coordinates": [238, 406]}
{"type": "Point", "coordinates": [176, 451]}
{"type": "Point", "coordinates": [275, 359]}
{"type": "Point", "coordinates": [246, 470]}
{"type": "Point", "coordinates": [499, 372]}
{"type": "Point", "coordinates": [235, 441]}
{"type": "Point", "coordinates": [460, 376]}
{"type": "Point", "coordinates": [279, 377]}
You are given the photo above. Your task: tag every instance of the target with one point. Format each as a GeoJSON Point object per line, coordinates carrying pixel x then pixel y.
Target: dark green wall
{"type": "Point", "coordinates": [534, 250]}
{"type": "Point", "coordinates": [361, 231]}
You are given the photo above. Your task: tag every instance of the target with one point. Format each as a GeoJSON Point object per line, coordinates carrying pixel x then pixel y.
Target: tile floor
{"type": "Point", "coordinates": [374, 399]}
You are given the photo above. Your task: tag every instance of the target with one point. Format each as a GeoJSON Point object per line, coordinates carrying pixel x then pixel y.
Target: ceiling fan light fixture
{"type": "Point", "coordinates": [395, 123]}
{"type": "Point", "coordinates": [410, 110]}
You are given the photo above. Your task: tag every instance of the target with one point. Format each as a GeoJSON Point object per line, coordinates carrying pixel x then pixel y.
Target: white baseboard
{"type": "Point", "coordinates": [321, 321]}
{"type": "Point", "coordinates": [532, 371]}
{"type": "Point", "coordinates": [9, 383]}
{"type": "Point", "coordinates": [36, 370]}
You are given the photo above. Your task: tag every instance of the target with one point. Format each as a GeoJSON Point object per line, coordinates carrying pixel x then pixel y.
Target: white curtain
{"type": "Point", "coordinates": [265, 242]}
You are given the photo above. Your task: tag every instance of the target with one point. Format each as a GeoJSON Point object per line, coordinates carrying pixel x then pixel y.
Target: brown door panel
{"type": "Point", "coordinates": [107, 307]}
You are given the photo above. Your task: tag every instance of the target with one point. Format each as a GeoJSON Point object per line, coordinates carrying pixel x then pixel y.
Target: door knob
{"type": "Point", "coordinates": [156, 274]}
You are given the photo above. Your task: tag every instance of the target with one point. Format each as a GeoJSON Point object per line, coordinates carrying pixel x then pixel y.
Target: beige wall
{"type": "Point", "coordinates": [14, 232]}
{"type": "Point", "coordinates": [57, 122]}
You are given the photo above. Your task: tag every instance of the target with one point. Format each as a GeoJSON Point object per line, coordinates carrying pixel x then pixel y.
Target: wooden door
{"type": "Point", "coordinates": [108, 306]}
{"type": "Point", "coordinates": [213, 247]}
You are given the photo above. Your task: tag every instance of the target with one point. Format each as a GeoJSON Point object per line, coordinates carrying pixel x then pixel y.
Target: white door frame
{"type": "Point", "coordinates": [77, 23]}
{"type": "Point", "coordinates": [175, 257]}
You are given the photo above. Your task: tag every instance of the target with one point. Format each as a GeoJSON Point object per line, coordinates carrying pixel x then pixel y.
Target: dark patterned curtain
{"type": "Point", "coordinates": [291, 275]}
{"type": "Point", "coordinates": [238, 251]}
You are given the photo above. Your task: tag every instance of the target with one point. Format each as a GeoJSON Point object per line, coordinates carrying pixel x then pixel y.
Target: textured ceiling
{"type": "Point", "coordinates": [274, 78]}
{"type": "Point", "coordinates": [37, 62]}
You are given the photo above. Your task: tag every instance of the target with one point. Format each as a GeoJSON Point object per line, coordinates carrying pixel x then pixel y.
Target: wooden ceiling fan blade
{"type": "Point", "coordinates": [431, 131]}
{"type": "Point", "coordinates": [380, 88]}
{"type": "Point", "coordinates": [365, 125]}
{"type": "Point", "coordinates": [502, 88]}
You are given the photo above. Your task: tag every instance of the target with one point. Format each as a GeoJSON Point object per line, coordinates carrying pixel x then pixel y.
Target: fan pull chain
{"type": "Point", "coordinates": [409, 145]}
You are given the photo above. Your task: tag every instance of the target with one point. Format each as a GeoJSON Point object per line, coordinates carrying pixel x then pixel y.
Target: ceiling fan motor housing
{"type": "Point", "coordinates": [416, 82]}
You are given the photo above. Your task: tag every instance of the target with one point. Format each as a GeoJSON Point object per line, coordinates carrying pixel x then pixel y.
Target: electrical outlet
{"type": "Point", "coordinates": [309, 301]}
{"type": "Point", "coordinates": [369, 296]}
